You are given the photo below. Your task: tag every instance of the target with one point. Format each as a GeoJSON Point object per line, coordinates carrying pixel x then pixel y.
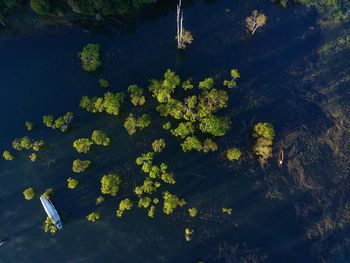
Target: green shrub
{"type": "Point", "coordinates": [233, 154]}
{"type": "Point", "coordinates": [29, 193]}
{"type": "Point", "coordinates": [90, 57]}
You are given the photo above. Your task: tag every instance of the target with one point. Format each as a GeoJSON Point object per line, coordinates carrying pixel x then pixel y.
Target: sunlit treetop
{"type": "Point", "coordinates": [233, 154]}
{"type": "Point", "coordinates": [29, 193]}
{"type": "Point", "coordinates": [162, 89]}
{"type": "Point", "coordinates": [93, 217]}
{"type": "Point", "coordinates": [217, 126]}
{"type": "Point", "coordinates": [110, 103]}
{"type": "Point", "coordinates": [132, 123]}
{"type": "Point", "coordinates": [171, 202]}
{"type": "Point", "coordinates": [90, 57]}
{"type": "Point", "coordinates": [191, 143]}
{"type": "Point", "coordinates": [26, 143]}
{"type": "Point", "coordinates": [209, 146]}
{"type": "Point", "coordinates": [158, 145]}
{"type": "Point", "coordinates": [82, 145]}
{"type": "Point", "coordinates": [124, 205]}
{"type": "Point", "coordinates": [7, 156]}
{"type": "Point", "coordinates": [110, 184]}
{"type": "Point", "coordinates": [62, 123]}
{"type": "Point", "coordinates": [264, 129]}
{"type": "Point", "coordinates": [136, 95]}
{"type": "Point", "coordinates": [100, 138]}
{"type": "Point", "coordinates": [80, 166]}
{"type": "Point", "coordinates": [183, 130]}
{"type": "Point", "coordinates": [207, 84]}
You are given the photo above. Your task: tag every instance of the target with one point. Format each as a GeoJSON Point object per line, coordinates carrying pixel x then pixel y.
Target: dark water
{"type": "Point", "coordinates": [41, 74]}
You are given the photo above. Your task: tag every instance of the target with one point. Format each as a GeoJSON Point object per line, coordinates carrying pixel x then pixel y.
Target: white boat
{"type": "Point", "coordinates": [51, 212]}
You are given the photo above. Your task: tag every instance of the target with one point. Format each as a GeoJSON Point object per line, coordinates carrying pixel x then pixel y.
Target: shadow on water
{"type": "Point", "coordinates": [49, 79]}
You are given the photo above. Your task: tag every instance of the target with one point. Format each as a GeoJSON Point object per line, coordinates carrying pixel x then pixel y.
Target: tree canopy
{"type": "Point", "coordinates": [110, 184]}
{"type": "Point", "coordinates": [80, 166]}
{"type": "Point", "coordinates": [90, 57]}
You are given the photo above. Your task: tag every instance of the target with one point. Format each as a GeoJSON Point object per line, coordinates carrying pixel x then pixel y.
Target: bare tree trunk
{"type": "Point", "coordinates": [254, 29]}
{"type": "Point", "coordinates": [179, 26]}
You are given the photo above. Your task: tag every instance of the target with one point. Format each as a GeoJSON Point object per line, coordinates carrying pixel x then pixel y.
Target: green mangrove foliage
{"type": "Point", "coordinates": [188, 234]}
{"type": "Point", "coordinates": [48, 193]}
{"type": "Point", "coordinates": [196, 112]}
{"type": "Point", "coordinates": [72, 183]}
{"type": "Point", "coordinates": [80, 166]}
{"type": "Point", "coordinates": [166, 125]}
{"type": "Point", "coordinates": [109, 103]}
{"type": "Point", "coordinates": [62, 123]}
{"type": "Point", "coordinates": [264, 134]}
{"type": "Point", "coordinates": [132, 123]}
{"type": "Point", "coordinates": [232, 83]}
{"type": "Point", "coordinates": [49, 227]}
{"type": "Point", "coordinates": [100, 138]}
{"type": "Point", "coordinates": [103, 83]}
{"type": "Point", "coordinates": [93, 217]}
{"type": "Point", "coordinates": [209, 146]}
{"type": "Point", "coordinates": [110, 184]}
{"type": "Point", "coordinates": [7, 156]}
{"type": "Point", "coordinates": [158, 145]}
{"type": "Point", "coordinates": [26, 143]}
{"type": "Point", "coordinates": [82, 145]}
{"type": "Point", "coordinates": [33, 157]}
{"type": "Point", "coordinates": [90, 57]}
{"type": "Point", "coordinates": [136, 95]}
{"type": "Point", "coordinates": [233, 154]}
{"type": "Point", "coordinates": [124, 205]}
{"type": "Point", "coordinates": [171, 202]}
{"type": "Point", "coordinates": [29, 193]}
{"type": "Point", "coordinates": [29, 125]}
{"type": "Point", "coordinates": [191, 143]}
{"type": "Point", "coordinates": [187, 84]}
{"type": "Point", "coordinates": [99, 200]}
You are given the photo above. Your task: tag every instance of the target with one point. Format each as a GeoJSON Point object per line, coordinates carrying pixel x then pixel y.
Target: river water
{"type": "Point", "coordinates": [41, 74]}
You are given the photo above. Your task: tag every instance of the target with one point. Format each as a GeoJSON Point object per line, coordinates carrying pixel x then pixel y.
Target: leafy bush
{"type": "Point", "coordinates": [72, 183]}
{"type": "Point", "coordinates": [7, 156]}
{"type": "Point", "coordinates": [124, 205]}
{"type": "Point", "coordinates": [90, 57]}
{"type": "Point", "coordinates": [82, 145]}
{"type": "Point", "coordinates": [80, 166]}
{"type": "Point", "coordinates": [94, 216]}
{"type": "Point", "coordinates": [110, 184]}
{"type": "Point", "coordinates": [29, 193]}
{"type": "Point", "coordinates": [233, 154]}
{"type": "Point", "coordinates": [158, 145]}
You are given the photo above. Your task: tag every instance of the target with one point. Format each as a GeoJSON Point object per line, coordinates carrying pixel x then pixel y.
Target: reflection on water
{"type": "Point", "coordinates": [288, 214]}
